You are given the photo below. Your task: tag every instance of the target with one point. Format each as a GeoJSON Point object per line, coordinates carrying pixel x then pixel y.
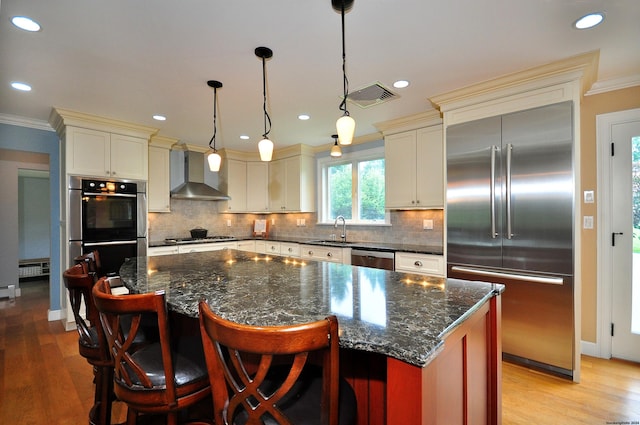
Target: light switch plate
{"type": "Point", "coordinates": [589, 197]}
{"type": "Point", "coordinates": [427, 224]}
{"type": "Point", "coordinates": [587, 222]}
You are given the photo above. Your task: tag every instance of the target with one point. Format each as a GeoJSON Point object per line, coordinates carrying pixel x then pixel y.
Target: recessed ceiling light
{"type": "Point", "coordinates": [25, 23]}
{"type": "Point", "coordinates": [21, 86]}
{"type": "Point", "coordinates": [244, 137]}
{"type": "Point", "coordinates": [400, 84]}
{"type": "Point", "coordinates": [303, 117]}
{"type": "Point", "coordinates": [589, 21]}
{"type": "Point", "coordinates": [159, 118]}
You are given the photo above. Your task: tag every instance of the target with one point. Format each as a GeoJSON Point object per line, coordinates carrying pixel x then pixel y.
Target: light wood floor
{"type": "Point", "coordinates": [36, 390]}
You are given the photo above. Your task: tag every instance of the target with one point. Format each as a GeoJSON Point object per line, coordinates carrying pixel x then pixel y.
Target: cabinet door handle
{"type": "Point", "coordinates": [418, 263]}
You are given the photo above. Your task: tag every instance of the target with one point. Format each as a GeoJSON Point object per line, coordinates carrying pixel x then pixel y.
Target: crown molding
{"type": "Point", "coordinates": [25, 122]}
{"type": "Point", "coordinates": [162, 141]}
{"type": "Point", "coordinates": [411, 122]}
{"type": "Point", "coordinates": [582, 67]}
{"type": "Point", "coordinates": [60, 118]}
{"type": "Point", "coordinates": [612, 84]}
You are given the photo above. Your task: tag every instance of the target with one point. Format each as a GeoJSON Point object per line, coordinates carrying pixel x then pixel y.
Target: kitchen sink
{"type": "Point", "coordinates": [328, 242]}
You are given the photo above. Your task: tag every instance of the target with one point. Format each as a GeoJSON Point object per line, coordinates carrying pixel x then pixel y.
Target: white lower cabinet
{"type": "Point", "coordinates": [261, 246]}
{"type": "Point", "coordinates": [202, 247]}
{"type": "Point", "coordinates": [162, 250]}
{"type": "Point", "coordinates": [326, 253]}
{"type": "Point", "coordinates": [249, 246]}
{"type": "Point", "coordinates": [432, 265]}
{"type": "Point", "coordinates": [272, 247]}
{"type": "Point", "coordinates": [290, 249]}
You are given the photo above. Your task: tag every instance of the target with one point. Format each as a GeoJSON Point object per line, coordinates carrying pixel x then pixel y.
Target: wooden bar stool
{"type": "Point", "coordinates": [263, 375]}
{"type": "Point", "coordinates": [163, 377]}
{"type": "Point", "coordinates": [91, 342]}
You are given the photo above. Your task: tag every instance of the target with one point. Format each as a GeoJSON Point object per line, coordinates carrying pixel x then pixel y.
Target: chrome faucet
{"type": "Point", "coordinates": [343, 236]}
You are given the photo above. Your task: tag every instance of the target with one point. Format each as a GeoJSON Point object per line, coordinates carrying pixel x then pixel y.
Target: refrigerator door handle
{"type": "Point", "coordinates": [492, 194]}
{"type": "Point", "coordinates": [508, 194]}
{"type": "Point", "coordinates": [512, 276]}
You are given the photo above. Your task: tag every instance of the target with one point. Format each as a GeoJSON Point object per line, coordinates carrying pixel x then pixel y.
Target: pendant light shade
{"type": "Point", "coordinates": [265, 146]}
{"type": "Point", "coordinates": [336, 150]}
{"type": "Point", "coordinates": [213, 157]}
{"type": "Point", "coordinates": [345, 125]}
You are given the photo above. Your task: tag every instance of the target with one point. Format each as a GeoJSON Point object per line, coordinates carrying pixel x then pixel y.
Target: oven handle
{"type": "Point", "coordinates": [120, 195]}
{"type": "Point", "coordinates": [132, 242]}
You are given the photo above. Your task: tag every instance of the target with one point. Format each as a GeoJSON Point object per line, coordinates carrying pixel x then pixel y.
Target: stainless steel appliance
{"type": "Point", "coordinates": [108, 216]}
{"type": "Point", "coordinates": [374, 259]}
{"type": "Point", "coordinates": [510, 195]}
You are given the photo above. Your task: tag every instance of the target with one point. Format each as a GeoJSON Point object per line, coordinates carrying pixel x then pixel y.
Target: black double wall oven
{"type": "Point", "coordinates": [108, 216]}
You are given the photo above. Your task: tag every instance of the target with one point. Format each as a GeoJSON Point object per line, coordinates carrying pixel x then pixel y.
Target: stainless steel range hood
{"type": "Point", "coordinates": [194, 186]}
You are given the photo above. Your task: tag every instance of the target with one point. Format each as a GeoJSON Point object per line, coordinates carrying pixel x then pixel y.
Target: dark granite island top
{"type": "Point", "coordinates": [403, 316]}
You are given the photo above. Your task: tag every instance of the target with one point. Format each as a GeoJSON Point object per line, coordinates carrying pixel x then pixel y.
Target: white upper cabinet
{"type": "Point", "coordinates": [100, 147]}
{"type": "Point", "coordinates": [101, 154]}
{"type": "Point", "coordinates": [291, 184]}
{"type": "Point", "coordinates": [257, 186]}
{"type": "Point", "coordinates": [159, 185]}
{"type": "Point", "coordinates": [414, 173]}
{"type": "Point", "coordinates": [233, 177]}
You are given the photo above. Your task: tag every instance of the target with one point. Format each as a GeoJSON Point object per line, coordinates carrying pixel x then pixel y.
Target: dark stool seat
{"type": "Point", "coordinates": [91, 342]}
{"type": "Point", "coordinates": [265, 375]}
{"type": "Point", "coordinates": [162, 377]}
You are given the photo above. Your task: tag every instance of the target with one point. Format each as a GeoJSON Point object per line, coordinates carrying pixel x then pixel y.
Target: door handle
{"type": "Point", "coordinates": [508, 191]}
{"type": "Point", "coordinates": [613, 237]}
{"type": "Point", "coordinates": [492, 194]}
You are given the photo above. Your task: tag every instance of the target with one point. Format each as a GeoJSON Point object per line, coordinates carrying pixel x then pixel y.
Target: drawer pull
{"type": "Point", "coordinates": [418, 263]}
{"type": "Point", "coordinates": [310, 252]}
{"type": "Point", "coordinates": [290, 250]}
{"type": "Point", "coordinates": [329, 254]}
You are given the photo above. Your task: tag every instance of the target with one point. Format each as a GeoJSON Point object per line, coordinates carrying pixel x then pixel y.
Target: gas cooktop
{"type": "Point", "coordinates": [199, 240]}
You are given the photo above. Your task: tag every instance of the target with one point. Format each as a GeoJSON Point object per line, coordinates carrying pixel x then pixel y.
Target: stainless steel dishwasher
{"type": "Point", "coordinates": [374, 259]}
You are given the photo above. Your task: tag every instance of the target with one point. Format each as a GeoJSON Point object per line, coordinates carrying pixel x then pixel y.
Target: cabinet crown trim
{"type": "Point", "coordinates": [582, 67]}
{"type": "Point", "coordinates": [411, 122]}
{"type": "Point", "coordinates": [60, 118]}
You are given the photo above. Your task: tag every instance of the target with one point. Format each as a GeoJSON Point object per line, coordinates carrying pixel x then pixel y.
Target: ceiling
{"type": "Point", "coordinates": [129, 60]}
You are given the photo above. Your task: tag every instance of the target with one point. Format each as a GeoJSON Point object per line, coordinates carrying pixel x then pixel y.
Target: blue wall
{"type": "Point", "coordinates": [47, 142]}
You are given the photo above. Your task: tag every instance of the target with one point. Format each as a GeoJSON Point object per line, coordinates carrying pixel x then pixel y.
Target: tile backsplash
{"type": "Point", "coordinates": [406, 226]}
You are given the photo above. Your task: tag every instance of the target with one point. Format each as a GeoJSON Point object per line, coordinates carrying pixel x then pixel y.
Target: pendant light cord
{"type": "Point", "coordinates": [345, 81]}
{"type": "Point", "coordinates": [215, 129]}
{"type": "Point", "coordinates": [264, 101]}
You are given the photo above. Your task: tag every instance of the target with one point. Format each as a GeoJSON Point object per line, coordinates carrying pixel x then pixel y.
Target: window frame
{"type": "Point", "coordinates": [353, 158]}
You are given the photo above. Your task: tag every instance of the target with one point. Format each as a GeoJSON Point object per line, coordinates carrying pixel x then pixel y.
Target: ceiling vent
{"type": "Point", "coordinates": [371, 95]}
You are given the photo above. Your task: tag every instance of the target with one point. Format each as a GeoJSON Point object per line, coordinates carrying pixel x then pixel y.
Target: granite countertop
{"type": "Point", "coordinates": [375, 246]}
{"type": "Point", "coordinates": [405, 316]}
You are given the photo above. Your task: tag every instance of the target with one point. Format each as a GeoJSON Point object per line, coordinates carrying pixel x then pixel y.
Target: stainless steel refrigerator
{"type": "Point", "coordinates": [510, 209]}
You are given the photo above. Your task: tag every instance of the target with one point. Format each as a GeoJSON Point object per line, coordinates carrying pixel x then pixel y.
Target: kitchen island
{"type": "Point", "coordinates": [417, 350]}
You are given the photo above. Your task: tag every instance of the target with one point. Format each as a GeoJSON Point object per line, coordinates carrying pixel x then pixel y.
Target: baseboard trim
{"type": "Point", "coordinates": [590, 349]}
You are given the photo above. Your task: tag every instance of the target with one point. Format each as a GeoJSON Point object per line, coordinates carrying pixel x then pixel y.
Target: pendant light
{"type": "Point", "coordinates": [213, 156]}
{"type": "Point", "coordinates": [336, 150]}
{"type": "Point", "coordinates": [345, 125]}
{"type": "Point", "coordinates": [265, 146]}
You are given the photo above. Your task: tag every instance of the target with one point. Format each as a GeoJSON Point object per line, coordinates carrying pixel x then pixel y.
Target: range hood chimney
{"type": "Point", "coordinates": [194, 186]}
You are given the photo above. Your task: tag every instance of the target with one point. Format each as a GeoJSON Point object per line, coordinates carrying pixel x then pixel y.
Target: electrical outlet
{"type": "Point", "coordinates": [427, 224]}
{"type": "Point", "coordinates": [228, 223]}
{"type": "Point", "coordinates": [302, 222]}
{"type": "Point", "coordinates": [587, 222]}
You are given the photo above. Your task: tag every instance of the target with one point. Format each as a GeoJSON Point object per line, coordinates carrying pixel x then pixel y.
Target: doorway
{"type": "Point", "coordinates": [619, 235]}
